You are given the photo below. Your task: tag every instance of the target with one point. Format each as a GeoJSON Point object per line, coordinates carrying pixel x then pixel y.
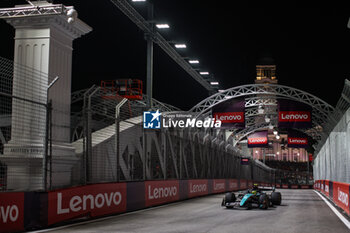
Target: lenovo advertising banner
{"type": "Point", "coordinates": [232, 184]}
{"type": "Point", "coordinates": [297, 139]}
{"type": "Point", "coordinates": [258, 139]}
{"type": "Point", "coordinates": [242, 184]}
{"type": "Point", "coordinates": [95, 200]}
{"type": "Point", "coordinates": [219, 186]}
{"type": "Point", "coordinates": [197, 188]}
{"type": "Point", "coordinates": [341, 195]}
{"type": "Point", "coordinates": [325, 189]}
{"type": "Point", "coordinates": [293, 114]}
{"type": "Point", "coordinates": [11, 212]}
{"type": "Point", "coordinates": [160, 192]}
{"type": "Point", "coordinates": [230, 113]}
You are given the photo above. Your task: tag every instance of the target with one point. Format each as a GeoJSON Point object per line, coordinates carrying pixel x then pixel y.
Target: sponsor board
{"type": "Point", "coordinates": [325, 189]}
{"type": "Point", "coordinates": [297, 142]}
{"type": "Point", "coordinates": [294, 116]}
{"type": "Point", "coordinates": [304, 186]}
{"type": "Point", "coordinates": [219, 186]}
{"type": "Point", "coordinates": [230, 112]}
{"type": "Point", "coordinates": [294, 186]}
{"type": "Point", "coordinates": [160, 192]}
{"type": "Point", "coordinates": [262, 140]}
{"type": "Point", "coordinates": [197, 188]}
{"type": "Point", "coordinates": [229, 117]}
{"type": "Point", "coordinates": [284, 186]}
{"type": "Point", "coordinates": [243, 184]}
{"type": "Point", "coordinates": [11, 212]}
{"type": "Point", "coordinates": [233, 185]}
{"type": "Point", "coordinates": [258, 139]}
{"type": "Point", "coordinates": [341, 195]}
{"type": "Point", "coordinates": [250, 184]}
{"type": "Point", "coordinates": [94, 200]}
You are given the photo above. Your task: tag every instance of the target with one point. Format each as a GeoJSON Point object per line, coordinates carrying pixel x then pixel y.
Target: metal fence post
{"type": "Point", "coordinates": [48, 137]}
{"type": "Point", "coordinates": [117, 131]}
{"type": "Point", "coordinates": [47, 144]}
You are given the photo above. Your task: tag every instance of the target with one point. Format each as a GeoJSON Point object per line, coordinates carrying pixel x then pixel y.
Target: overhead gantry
{"type": "Point", "coordinates": [259, 95]}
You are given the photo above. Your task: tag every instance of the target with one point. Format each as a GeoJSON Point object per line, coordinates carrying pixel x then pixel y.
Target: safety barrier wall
{"type": "Point", "coordinates": [337, 192]}
{"type": "Point", "coordinates": [32, 210]}
{"type": "Point", "coordinates": [332, 161]}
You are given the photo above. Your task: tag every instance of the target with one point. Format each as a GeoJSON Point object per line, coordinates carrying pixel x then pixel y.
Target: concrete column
{"type": "Point", "coordinates": [43, 51]}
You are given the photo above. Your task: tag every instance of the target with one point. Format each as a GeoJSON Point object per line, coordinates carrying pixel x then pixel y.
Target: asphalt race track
{"type": "Point", "coordinates": [301, 211]}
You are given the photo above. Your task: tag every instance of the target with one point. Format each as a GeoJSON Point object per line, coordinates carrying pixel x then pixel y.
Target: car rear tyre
{"type": "Point", "coordinates": [230, 197]}
{"type": "Point", "coordinates": [276, 198]}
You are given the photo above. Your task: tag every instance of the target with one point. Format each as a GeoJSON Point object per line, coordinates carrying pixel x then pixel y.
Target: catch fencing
{"type": "Point", "coordinates": [46, 145]}
{"type": "Point", "coordinates": [332, 160]}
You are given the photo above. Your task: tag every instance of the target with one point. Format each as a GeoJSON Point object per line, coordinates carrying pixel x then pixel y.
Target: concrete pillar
{"type": "Point", "coordinates": [43, 51]}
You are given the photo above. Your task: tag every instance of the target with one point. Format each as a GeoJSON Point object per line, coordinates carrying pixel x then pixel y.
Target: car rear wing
{"type": "Point", "coordinates": [264, 188]}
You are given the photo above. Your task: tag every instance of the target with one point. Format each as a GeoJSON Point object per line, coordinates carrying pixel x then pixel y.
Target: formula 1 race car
{"type": "Point", "coordinates": [255, 197]}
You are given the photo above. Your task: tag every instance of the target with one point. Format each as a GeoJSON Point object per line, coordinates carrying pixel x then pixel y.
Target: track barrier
{"type": "Point", "coordinates": [34, 210]}
{"type": "Point", "coordinates": [337, 192]}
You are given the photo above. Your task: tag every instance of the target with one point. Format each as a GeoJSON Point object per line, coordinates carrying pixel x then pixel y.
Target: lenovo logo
{"type": "Point", "coordinates": [302, 141]}
{"type": "Point", "coordinates": [293, 116]}
{"type": "Point", "coordinates": [219, 186]}
{"type": "Point", "coordinates": [88, 202]}
{"type": "Point", "coordinates": [161, 192]}
{"type": "Point", "coordinates": [233, 185]}
{"type": "Point", "coordinates": [262, 140]}
{"type": "Point", "coordinates": [9, 213]}
{"type": "Point", "coordinates": [343, 197]}
{"type": "Point", "coordinates": [229, 117]}
{"type": "Point", "coordinates": [198, 188]}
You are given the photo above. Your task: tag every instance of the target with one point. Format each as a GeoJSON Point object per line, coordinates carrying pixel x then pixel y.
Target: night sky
{"type": "Point", "coordinates": [311, 46]}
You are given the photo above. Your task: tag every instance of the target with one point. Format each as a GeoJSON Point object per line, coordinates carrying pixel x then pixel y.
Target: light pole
{"type": "Point", "coordinates": [149, 39]}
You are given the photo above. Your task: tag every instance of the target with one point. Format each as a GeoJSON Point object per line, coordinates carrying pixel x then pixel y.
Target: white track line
{"type": "Point", "coordinates": [342, 218]}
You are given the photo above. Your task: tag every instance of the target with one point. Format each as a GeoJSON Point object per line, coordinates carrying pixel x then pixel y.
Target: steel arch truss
{"type": "Point", "coordinates": [257, 95]}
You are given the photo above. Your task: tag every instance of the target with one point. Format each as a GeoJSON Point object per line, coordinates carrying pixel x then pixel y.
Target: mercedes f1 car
{"type": "Point", "coordinates": [257, 197]}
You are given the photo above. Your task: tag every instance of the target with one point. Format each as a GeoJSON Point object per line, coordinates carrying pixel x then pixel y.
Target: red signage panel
{"type": "Point", "coordinates": [160, 192]}
{"type": "Point", "coordinates": [294, 116]}
{"type": "Point", "coordinates": [325, 187]}
{"type": "Point", "coordinates": [233, 185]}
{"type": "Point", "coordinates": [258, 139]}
{"type": "Point", "coordinates": [229, 117]}
{"type": "Point", "coordinates": [197, 188]}
{"type": "Point", "coordinates": [219, 186]}
{"type": "Point", "coordinates": [261, 140]}
{"type": "Point", "coordinates": [96, 200]}
{"type": "Point", "coordinates": [341, 195]}
{"type": "Point", "coordinates": [11, 212]}
{"type": "Point", "coordinates": [243, 184]}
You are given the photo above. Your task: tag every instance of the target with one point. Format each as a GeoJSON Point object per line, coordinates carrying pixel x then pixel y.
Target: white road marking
{"type": "Point", "coordinates": [340, 216]}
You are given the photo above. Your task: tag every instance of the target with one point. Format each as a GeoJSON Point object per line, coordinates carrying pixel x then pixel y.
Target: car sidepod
{"type": "Point", "coordinates": [246, 202]}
